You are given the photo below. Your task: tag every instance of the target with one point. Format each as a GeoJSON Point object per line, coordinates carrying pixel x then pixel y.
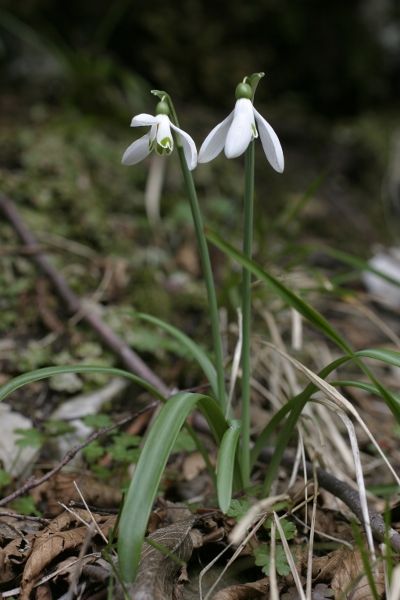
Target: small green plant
{"type": "Point", "coordinates": [239, 508]}
{"type": "Point", "coordinates": [289, 529]}
{"type": "Point", "coordinates": [33, 438]}
{"type": "Point", "coordinates": [26, 506]}
{"type": "Point", "coordinates": [263, 559]}
{"type": "Point", "coordinates": [5, 478]}
{"type": "Point", "coordinates": [122, 447]}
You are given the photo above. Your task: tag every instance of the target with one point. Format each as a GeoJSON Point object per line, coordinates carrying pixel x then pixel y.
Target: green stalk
{"type": "Point", "coordinates": [204, 254]}
{"type": "Point", "coordinates": [206, 263]}
{"type": "Point", "coordinates": [246, 310]}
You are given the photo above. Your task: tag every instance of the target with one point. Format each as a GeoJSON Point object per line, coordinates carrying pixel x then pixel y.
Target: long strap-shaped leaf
{"type": "Point", "coordinates": [226, 464]}
{"type": "Point", "coordinates": [145, 482]}
{"type": "Point", "coordinates": [193, 349]}
{"type": "Point", "coordinates": [304, 309]}
{"type": "Point", "coordinates": [21, 380]}
{"type": "Point", "coordinates": [389, 356]}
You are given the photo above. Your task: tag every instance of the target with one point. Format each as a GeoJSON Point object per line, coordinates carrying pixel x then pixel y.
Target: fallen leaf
{"type": "Point", "coordinates": [51, 542]}
{"type": "Point", "coordinates": [43, 592]}
{"type": "Point", "coordinates": [157, 570]}
{"type": "Point", "coordinates": [348, 570]}
{"type": "Point", "coordinates": [245, 591]}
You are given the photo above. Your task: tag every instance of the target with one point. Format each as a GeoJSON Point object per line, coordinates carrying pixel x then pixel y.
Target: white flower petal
{"type": "Point", "coordinates": [137, 151]}
{"type": "Point", "coordinates": [189, 147]}
{"type": "Point", "coordinates": [215, 141]}
{"type": "Point", "coordinates": [164, 135]}
{"type": "Point", "coordinates": [142, 120]}
{"type": "Point", "coordinates": [270, 143]}
{"type": "Point", "coordinates": [242, 130]}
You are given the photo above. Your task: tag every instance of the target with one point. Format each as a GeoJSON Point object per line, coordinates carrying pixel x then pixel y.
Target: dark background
{"type": "Point", "coordinates": [333, 57]}
{"type": "Point", "coordinates": [331, 87]}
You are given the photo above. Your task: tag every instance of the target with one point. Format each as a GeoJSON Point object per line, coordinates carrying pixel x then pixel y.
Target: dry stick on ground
{"type": "Point", "coordinates": [131, 360]}
{"type": "Point", "coordinates": [137, 366]}
{"type": "Point", "coordinates": [32, 482]}
{"type": "Point", "coordinates": [341, 490]}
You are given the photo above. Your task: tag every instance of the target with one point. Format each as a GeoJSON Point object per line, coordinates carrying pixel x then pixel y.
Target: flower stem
{"type": "Point", "coordinates": [246, 310]}
{"type": "Point", "coordinates": [206, 263]}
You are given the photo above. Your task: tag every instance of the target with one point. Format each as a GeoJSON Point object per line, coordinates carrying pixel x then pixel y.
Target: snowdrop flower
{"type": "Point", "coordinates": [159, 138]}
{"type": "Point", "coordinates": [236, 132]}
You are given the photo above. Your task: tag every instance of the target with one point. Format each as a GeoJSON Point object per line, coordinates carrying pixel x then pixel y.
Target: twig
{"type": "Point", "coordinates": [32, 482]}
{"type": "Point", "coordinates": [25, 250]}
{"type": "Point", "coordinates": [343, 491]}
{"type": "Point", "coordinates": [7, 513]}
{"type": "Point", "coordinates": [131, 360]}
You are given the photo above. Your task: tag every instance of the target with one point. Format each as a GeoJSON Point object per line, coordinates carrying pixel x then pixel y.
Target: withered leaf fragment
{"type": "Point", "coordinates": [155, 578]}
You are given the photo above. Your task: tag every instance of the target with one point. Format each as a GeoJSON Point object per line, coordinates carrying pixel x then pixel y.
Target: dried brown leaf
{"type": "Point", "coordinates": [325, 567]}
{"type": "Point", "coordinates": [13, 556]}
{"type": "Point", "coordinates": [155, 578]}
{"type": "Point", "coordinates": [69, 566]}
{"type": "Point", "coordinates": [51, 542]}
{"type": "Point", "coordinates": [61, 488]}
{"type": "Point", "coordinates": [43, 592]}
{"type": "Point", "coordinates": [245, 591]}
{"type": "Point", "coordinates": [348, 570]}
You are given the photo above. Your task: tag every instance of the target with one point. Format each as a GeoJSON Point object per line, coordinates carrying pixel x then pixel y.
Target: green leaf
{"type": "Point", "coordinates": [263, 559]}
{"type": "Point", "coordinates": [191, 347]}
{"type": "Point", "coordinates": [55, 428]}
{"type": "Point", "coordinates": [150, 467]}
{"type": "Point", "coordinates": [97, 421]}
{"type": "Point", "coordinates": [239, 508]}
{"type": "Point", "coordinates": [226, 464]}
{"type": "Point", "coordinates": [125, 448]}
{"type": "Point", "coordinates": [289, 528]}
{"type": "Point", "coordinates": [38, 374]}
{"type": "Point", "coordinates": [93, 451]}
{"type": "Point", "coordinates": [26, 506]}
{"type": "Point", "coordinates": [4, 478]}
{"type": "Point", "coordinates": [31, 438]}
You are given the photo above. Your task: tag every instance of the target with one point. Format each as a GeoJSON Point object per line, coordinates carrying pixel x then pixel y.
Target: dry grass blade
{"type": "Point", "coordinates": [232, 559]}
{"type": "Point", "coordinates": [394, 591]}
{"type": "Point", "coordinates": [334, 395]}
{"type": "Point", "coordinates": [290, 559]}
{"type": "Point", "coordinates": [312, 530]}
{"type": "Point", "coordinates": [274, 592]}
{"type": "Point", "coordinates": [260, 507]}
{"type": "Point", "coordinates": [359, 473]}
{"type": "Point", "coordinates": [93, 521]}
{"type": "Point", "coordinates": [339, 400]}
{"type": "Point", "coordinates": [75, 577]}
{"type": "Point", "coordinates": [297, 330]}
{"type": "Point", "coordinates": [236, 362]}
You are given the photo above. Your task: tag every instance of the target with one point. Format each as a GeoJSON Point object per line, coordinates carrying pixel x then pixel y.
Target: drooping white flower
{"type": "Point", "coordinates": [236, 132]}
{"type": "Point", "coordinates": [159, 138]}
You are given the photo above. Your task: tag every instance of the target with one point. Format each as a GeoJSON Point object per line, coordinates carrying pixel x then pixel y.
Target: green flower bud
{"type": "Point", "coordinates": [243, 90]}
{"type": "Point", "coordinates": [162, 108]}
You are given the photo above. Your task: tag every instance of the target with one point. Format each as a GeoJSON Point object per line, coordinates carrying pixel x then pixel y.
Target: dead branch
{"type": "Point", "coordinates": [341, 490]}
{"type": "Point", "coordinates": [131, 360]}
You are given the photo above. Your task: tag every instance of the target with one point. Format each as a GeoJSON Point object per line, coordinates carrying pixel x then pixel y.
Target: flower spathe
{"type": "Point", "coordinates": [159, 138]}
{"type": "Point", "coordinates": [236, 132]}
